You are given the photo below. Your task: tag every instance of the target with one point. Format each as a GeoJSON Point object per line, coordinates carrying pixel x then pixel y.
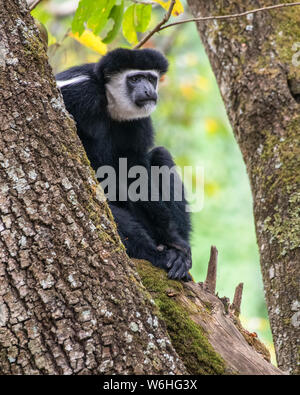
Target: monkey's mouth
{"type": "Point", "coordinates": [145, 102]}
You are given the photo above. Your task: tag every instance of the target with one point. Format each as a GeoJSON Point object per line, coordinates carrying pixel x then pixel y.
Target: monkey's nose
{"type": "Point", "coordinates": [152, 95]}
{"type": "Point", "coordinates": [145, 97]}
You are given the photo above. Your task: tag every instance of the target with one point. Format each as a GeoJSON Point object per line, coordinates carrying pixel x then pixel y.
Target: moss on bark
{"type": "Point", "coordinates": [188, 338]}
{"type": "Point", "coordinates": [256, 63]}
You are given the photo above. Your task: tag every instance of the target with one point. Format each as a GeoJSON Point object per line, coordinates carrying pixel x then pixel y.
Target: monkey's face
{"type": "Point", "coordinates": [132, 94]}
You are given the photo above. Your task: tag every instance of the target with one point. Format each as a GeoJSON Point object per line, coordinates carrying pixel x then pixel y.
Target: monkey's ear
{"type": "Point", "coordinates": [162, 78]}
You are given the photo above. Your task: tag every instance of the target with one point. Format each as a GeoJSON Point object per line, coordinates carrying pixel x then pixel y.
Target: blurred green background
{"type": "Point", "coordinates": [191, 122]}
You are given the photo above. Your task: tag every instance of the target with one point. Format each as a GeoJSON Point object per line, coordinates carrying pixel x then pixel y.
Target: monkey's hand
{"type": "Point", "coordinates": [179, 266]}
{"type": "Point", "coordinates": [182, 246]}
{"type": "Point", "coordinates": [176, 262]}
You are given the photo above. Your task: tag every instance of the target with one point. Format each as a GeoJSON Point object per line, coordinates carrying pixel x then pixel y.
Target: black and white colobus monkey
{"type": "Point", "coordinates": [111, 102]}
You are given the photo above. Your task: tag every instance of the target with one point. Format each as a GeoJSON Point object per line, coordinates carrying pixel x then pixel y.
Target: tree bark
{"type": "Point", "coordinates": [204, 329]}
{"type": "Point", "coordinates": [71, 301]}
{"type": "Point", "coordinates": [258, 72]}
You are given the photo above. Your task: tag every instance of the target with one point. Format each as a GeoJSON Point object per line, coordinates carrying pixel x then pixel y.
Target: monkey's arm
{"type": "Point", "coordinates": [169, 218]}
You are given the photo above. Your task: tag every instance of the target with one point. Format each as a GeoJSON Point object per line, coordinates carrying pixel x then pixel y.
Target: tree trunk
{"type": "Point", "coordinates": [258, 72]}
{"type": "Point", "coordinates": [70, 299]}
{"type": "Point", "coordinates": [71, 302]}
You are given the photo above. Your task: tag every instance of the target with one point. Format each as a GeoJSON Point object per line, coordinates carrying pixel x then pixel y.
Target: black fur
{"type": "Point", "coordinates": [143, 226]}
{"type": "Point", "coordinates": [123, 59]}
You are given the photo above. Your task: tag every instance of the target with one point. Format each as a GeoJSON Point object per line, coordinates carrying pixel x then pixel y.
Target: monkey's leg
{"type": "Point", "coordinates": [139, 243]}
{"type": "Point", "coordinates": [163, 231]}
{"type": "Point", "coordinates": [179, 227]}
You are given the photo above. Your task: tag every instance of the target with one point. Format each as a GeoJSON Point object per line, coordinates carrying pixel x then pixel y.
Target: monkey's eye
{"type": "Point", "coordinates": [134, 78]}
{"type": "Point", "coordinates": [152, 79]}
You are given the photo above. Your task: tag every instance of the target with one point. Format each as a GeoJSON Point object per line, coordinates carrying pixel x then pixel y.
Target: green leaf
{"type": "Point", "coordinates": [93, 14]}
{"type": "Point", "coordinates": [82, 13]}
{"type": "Point", "coordinates": [98, 20]}
{"type": "Point", "coordinates": [116, 15]}
{"type": "Point", "coordinates": [129, 31]}
{"type": "Point", "coordinates": [142, 17]}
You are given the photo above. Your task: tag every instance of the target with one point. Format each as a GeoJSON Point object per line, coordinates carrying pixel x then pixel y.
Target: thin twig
{"type": "Point", "coordinates": [162, 25]}
{"type": "Point", "coordinates": [208, 18]}
{"type": "Point", "coordinates": [53, 47]}
{"type": "Point", "coordinates": [34, 4]}
{"type": "Point", "coordinates": [158, 26]}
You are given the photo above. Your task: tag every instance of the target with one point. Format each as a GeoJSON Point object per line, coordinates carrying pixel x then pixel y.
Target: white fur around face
{"type": "Point", "coordinates": [120, 107]}
{"type": "Point", "coordinates": [74, 80]}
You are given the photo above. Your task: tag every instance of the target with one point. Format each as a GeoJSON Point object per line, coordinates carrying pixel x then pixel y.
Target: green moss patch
{"type": "Point", "coordinates": [188, 338]}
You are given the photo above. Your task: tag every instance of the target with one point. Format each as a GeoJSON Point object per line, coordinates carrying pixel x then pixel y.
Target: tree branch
{"type": "Point", "coordinates": [158, 27]}
{"type": "Point", "coordinates": [33, 4]}
{"type": "Point", "coordinates": [211, 278]}
{"type": "Point", "coordinates": [162, 25]}
{"type": "Point", "coordinates": [209, 331]}
{"type": "Point", "coordinates": [237, 299]}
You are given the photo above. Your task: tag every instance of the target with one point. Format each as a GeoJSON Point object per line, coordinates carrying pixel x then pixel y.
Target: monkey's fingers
{"type": "Point", "coordinates": [183, 272]}
{"type": "Point", "coordinates": [177, 269]}
{"type": "Point", "coordinates": [189, 263]}
{"type": "Point", "coordinates": [184, 248]}
{"type": "Point", "coordinates": [171, 258]}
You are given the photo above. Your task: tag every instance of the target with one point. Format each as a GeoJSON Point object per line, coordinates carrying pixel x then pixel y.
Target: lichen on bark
{"type": "Point", "coordinates": [253, 59]}
{"type": "Point", "coordinates": [71, 301]}
{"type": "Point", "coordinates": [188, 339]}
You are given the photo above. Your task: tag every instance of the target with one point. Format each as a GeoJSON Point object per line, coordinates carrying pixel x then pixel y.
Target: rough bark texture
{"type": "Point", "coordinates": [203, 328]}
{"type": "Point", "coordinates": [71, 301]}
{"type": "Point", "coordinates": [256, 68]}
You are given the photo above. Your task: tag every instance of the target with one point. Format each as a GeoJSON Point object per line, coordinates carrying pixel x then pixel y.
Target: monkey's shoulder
{"type": "Point", "coordinates": [76, 71]}
{"type": "Point", "coordinates": [82, 92]}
